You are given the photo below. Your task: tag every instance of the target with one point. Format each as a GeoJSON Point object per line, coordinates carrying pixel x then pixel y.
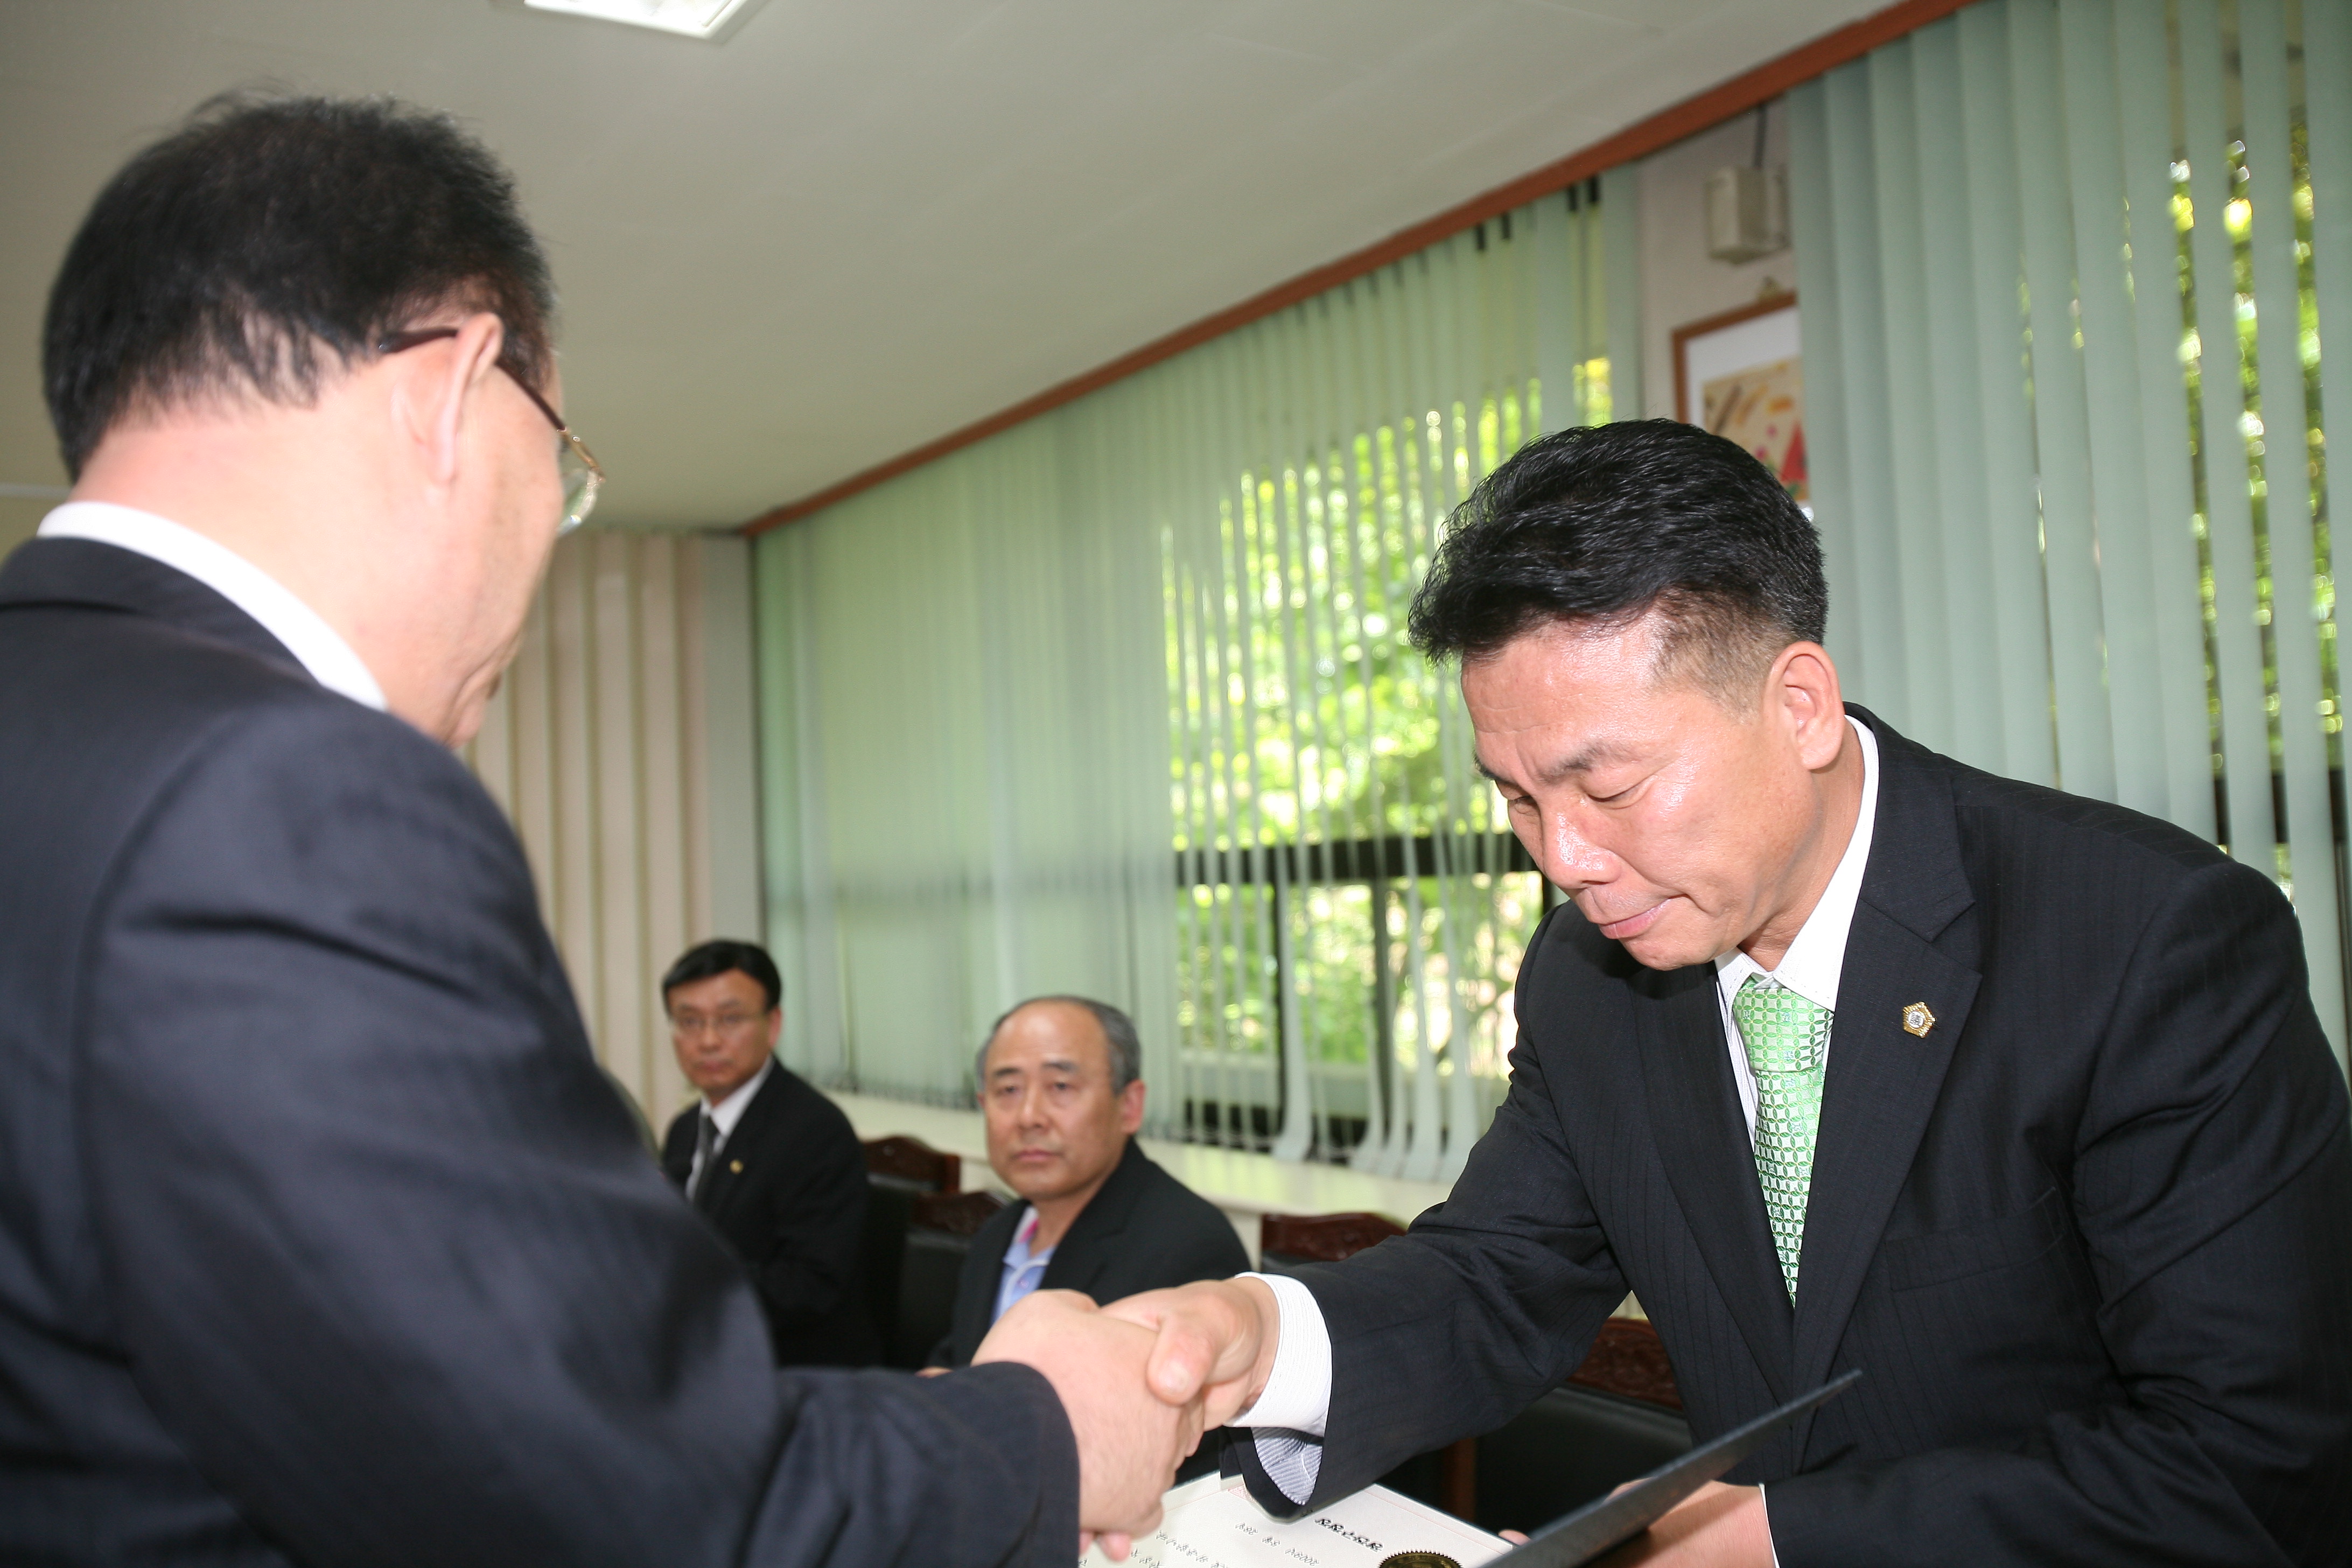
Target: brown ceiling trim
{"type": "Point", "coordinates": [1692, 115]}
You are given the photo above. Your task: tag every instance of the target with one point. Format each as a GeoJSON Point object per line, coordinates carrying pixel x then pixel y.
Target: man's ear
{"type": "Point", "coordinates": [1804, 683]}
{"type": "Point", "coordinates": [437, 395]}
{"type": "Point", "coordinates": [1130, 1108]}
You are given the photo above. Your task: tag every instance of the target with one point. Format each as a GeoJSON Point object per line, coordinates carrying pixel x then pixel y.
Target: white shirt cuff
{"type": "Point", "coordinates": [1297, 1393]}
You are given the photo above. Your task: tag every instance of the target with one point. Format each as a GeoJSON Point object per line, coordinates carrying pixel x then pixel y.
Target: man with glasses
{"type": "Point", "coordinates": [321, 1237]}
{"type": "Point", "coordinates": [770, 1162]}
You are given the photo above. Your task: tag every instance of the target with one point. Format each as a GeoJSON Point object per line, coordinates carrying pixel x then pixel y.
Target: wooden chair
{"type": "Point", "coordinates": [956, 1214]}
{"type": "Point", "coordinates": [938, 1236]}
{"type": "Point", "coordinates": [1322, 1237]}
{"type": "Point", "coordinates": [898, 1169]}
{"type": "Point", "coordinates": [1629, 1361]}
{"type": "Point", "coordinates": [1619, 1416]}
{"type": "Point", "coordinates": [901, 1158]}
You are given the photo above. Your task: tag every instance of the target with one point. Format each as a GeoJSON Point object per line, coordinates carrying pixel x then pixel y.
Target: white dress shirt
{"type": "Point", "coordinates": [1814, 961]}
{"type": "Point", "coordinates": [1289, 1415]}
{"type": "Point", "coordinates": [723, 1117]}
{"type": "Point", "coordinates": [314, 644]}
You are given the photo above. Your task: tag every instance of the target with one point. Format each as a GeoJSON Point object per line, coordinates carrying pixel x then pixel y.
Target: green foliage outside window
{"type": "Point", "coordinates": [1305, 728]}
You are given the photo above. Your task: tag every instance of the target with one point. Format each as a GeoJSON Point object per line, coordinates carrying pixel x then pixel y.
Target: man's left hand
{"type": "Point", "coordinates": [1715, 1527]}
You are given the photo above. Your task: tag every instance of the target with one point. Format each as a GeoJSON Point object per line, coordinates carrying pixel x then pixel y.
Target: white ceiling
{"type": "Point", "coordinates": [856, 226]}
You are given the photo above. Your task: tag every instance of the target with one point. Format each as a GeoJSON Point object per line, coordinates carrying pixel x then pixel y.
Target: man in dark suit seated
{"type": "Point", "coordinates": [1844, 1055]}
{"type": "Point", "coordinates": [1059, 1083]}
{"type": "Point", "coordinates": [766, 1159]}
{"type": "Point", "coordinates": [323, 1239]}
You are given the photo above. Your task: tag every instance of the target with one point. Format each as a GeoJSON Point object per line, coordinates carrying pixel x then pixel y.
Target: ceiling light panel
{"type": "Point", "coordinates": [711, 19]}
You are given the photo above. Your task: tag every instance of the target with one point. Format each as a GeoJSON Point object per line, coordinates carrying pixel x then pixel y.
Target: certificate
{"type": "Point", "coordinates": [1213, 1524]}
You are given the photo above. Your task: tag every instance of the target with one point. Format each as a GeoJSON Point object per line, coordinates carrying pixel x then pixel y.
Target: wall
{"type": "Point", "coordinates": [621, 743]}
{"type": "Point", "coordinates": [1680, 282]}
{"type": "Point", "coordinates": [19, 516]}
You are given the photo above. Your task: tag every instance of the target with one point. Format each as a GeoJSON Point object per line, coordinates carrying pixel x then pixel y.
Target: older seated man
{"type": "Point", "coordinates": [1060, 1081]}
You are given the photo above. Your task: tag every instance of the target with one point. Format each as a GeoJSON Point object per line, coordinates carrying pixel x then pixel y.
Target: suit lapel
{"type": "Point", "coordinates": [1876, 1097]}
{"type": "Point", "coordinates": [1882, 1079]}
{"type": "Point", "coordinates": [1703, 1138]}
{"type": "Point", "coordinates": [1086, 1247]}
{"type": "Point", "coordinates": [742, 1145]}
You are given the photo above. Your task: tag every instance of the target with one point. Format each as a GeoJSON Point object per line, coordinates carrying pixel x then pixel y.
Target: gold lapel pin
{"type": "Point", "coordinates": [737, 1165]}
{"type": "Point", "coordinates": [1917, 1020]}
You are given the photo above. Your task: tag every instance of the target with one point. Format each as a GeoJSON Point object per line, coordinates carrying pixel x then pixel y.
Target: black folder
{"type": "Point", "coordinates": [1581, 1536]}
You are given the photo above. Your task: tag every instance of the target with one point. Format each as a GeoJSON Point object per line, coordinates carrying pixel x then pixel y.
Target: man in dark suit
{"type": "Point", "coordinates": [321, 1238]}
{"type": "Point", "coordinates": [1061, 1087]}
{"type": "Point", "coordinates": [2069, 1177]}
{"type": "Point", "coordinates": [770, 1162]}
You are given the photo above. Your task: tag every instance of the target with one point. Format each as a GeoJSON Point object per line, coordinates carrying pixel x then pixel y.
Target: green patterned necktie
{"type": "Point", "coordinates": [1787, 1038]}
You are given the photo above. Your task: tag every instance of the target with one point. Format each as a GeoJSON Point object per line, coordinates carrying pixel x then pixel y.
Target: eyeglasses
{"type": "Point", "coordinates": [687, 1025]}
{"type": "Point", "coordinates": [575, 463]}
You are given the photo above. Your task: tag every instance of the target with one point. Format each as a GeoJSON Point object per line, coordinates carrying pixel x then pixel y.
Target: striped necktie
{"type": "Point", "coordinates": [706, 1153]}
{"type": "Point", "coordinates": [1788, 1039]}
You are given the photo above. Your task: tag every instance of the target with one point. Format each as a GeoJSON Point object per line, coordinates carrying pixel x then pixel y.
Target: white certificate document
{"type": "Point", "coordinates": [1211, 1523]}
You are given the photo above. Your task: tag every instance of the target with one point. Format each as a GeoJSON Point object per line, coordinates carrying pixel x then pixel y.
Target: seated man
{"type": "Point", "coordinates": [767, 1160]}
{"type": "Point", "coordinates": [1058, 1079]}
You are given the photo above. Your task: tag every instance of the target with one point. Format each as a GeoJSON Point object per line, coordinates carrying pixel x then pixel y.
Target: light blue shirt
{"type": "Point", "coordinates": [1023, 1268]}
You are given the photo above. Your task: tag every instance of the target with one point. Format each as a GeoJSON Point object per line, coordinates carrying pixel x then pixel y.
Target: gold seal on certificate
{"type": "Point", "coordinates": [1419, 1559]}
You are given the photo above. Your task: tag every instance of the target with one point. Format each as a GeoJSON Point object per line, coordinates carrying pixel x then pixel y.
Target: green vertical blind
{"type": "Point", "coordinates": [1118, 702]}
{"type": "Point", "coordinates": [2067, 267]}
{"type": "Point", "coordinates": [1350, 906]}
{"type": "Point", "coordinates": [964, 763]}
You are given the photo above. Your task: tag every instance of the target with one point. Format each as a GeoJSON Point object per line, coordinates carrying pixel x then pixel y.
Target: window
{"type": "Point", "coordinates": [1351, 905]}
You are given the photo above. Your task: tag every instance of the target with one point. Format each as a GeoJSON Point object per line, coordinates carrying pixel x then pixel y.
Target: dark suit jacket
{"type": "Point", "coordinates": [1144, 1230]}
{"type": "Point", "coordinates": [789, 1195]}
{"type": "Point", "coordinates": [2090, 1238]}
{"type": "Point", "coordinates": [321, 1238]}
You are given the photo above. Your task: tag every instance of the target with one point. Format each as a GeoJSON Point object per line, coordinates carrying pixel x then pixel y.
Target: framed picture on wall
{"type": "Point", "coordinates": [1739, 375]}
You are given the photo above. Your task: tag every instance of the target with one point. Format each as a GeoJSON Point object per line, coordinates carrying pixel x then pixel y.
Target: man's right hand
{"type": "Point", "coordinates": [1128, 1444]}
{"type": "Point", "coordinates": [1215, 1342]}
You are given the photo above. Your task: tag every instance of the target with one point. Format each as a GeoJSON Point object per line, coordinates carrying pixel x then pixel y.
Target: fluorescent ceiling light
{"type": "Point", "coordinates": [710, 20]}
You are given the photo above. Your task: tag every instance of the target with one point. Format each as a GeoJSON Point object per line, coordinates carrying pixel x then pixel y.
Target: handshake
{"type": "Point", "coordinates": [1142, 1378]}
{"type": "Point", "coordinates": [1140, 1381]}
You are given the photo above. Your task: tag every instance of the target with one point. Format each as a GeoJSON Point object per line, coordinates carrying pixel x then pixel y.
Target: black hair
{"type": "Point", "coordinates": [725, 957]}
{"type": "Point", "coordinates": [1126, 1046]}
{"type": "Point", "coordinates": [1597, 526]}
{"type": "Point", "coordinates": [270, 241]}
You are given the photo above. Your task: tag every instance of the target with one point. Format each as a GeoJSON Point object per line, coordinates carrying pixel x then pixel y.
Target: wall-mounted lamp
{"type": "Point", "coordinates": [1747, 213]}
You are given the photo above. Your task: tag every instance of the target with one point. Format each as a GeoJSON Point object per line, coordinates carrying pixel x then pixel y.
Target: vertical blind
{"type": "Point", "coordinates": [1117, 702]}
{"type": "Point", "coordinates": [1350, 903]}
{"type": "Point", "coordinates": [964, 757]}
{"type": "Point", "coordinates": [2067, 267]}
{"type": "Point", "coordinates": [619, 744]}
